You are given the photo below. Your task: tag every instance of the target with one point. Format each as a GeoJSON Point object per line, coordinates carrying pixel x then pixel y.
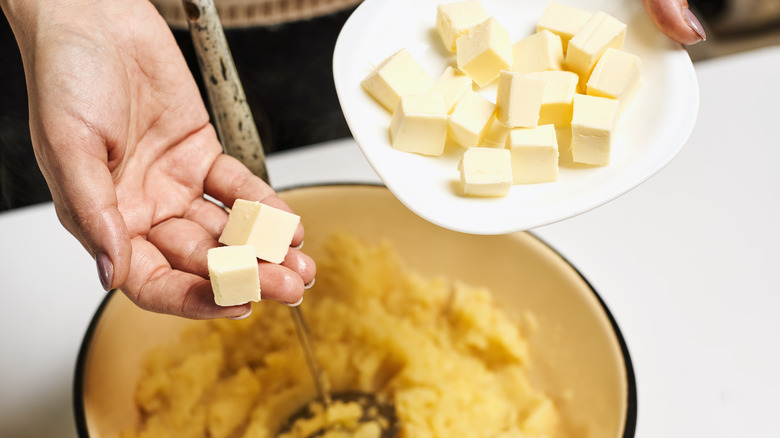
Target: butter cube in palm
{"type": "Point", "coordinates": [233, 274]}
{"type": "Point", "coordinates": [269, 229]}
{"type": "Point", "coordinates": [419, 124]}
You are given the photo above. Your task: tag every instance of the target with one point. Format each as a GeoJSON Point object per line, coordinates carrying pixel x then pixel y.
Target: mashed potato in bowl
{"type": "Point", "coordinates": [451, 362]}
{"type": "Point", "coordinates": [575, 365]}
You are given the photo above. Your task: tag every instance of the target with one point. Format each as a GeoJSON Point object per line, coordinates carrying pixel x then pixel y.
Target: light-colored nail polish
{"type": "Point", "coordinates": [298, 246]}
{"type": "Point", "coordinates": [242, 316]}
{"type": "Point", "coordinates": [694, 24]}
{"type": "Point", "coordinates": [309, 284]}
{"type": "Point", "coordinates": [295, 304]}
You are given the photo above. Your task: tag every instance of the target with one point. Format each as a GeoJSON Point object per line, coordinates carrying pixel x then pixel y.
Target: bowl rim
{"type": "Point", "coordinates": [629, 428]}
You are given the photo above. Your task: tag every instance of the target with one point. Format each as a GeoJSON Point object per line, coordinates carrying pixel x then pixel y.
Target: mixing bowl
{"type": "Point", "coordinates": [578, 354]}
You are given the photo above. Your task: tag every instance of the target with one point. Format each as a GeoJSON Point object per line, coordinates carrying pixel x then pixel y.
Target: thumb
{"type": "Point", "coordinates": [85, 198]}
{"type": "Point", "coordinates": [675, 20]}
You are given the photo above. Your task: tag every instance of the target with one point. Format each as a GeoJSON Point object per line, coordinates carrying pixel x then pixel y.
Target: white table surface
{"type": "Point", "coordinates": [685, 263]}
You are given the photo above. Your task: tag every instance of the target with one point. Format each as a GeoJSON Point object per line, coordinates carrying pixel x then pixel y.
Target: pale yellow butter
{"type": "Point", "coordinates": [562, 20]}
{"type": "Point", "coordinates": [601, 32]}
{"type": "Point", "coordinates": [455, 19]}
{"type": "Point", "coordinates": [617, 75]}
{"type": "Point", "coordinates": [451, 84]}
{"type": "Point", "coordinates": [541, 51]}
{"type": "Point", "coordinates": [558, 96]}
{"type": "Point", "coordinates": [270, 230]}
{"type": "Point", "coordinates": [496, 134]}
{"type": "Point", "coordinates": [486, 172]}
{"type": "Point", "coordinates": [519, 99]}
{"type": "Point", "coordinates": [469, 120]}
{"type": "Point", "coordinates": [592, 129]}
{"type": "Point", "coordinates": [233, 274]}
{"type": "Point", "coordinates": [398, 75]}
{"type": "Point", "coordinates": [419, 124]}
{"type": "Point", "coordinates": [484, 51]}
{"type": "Point", "coordinates": [534, 154]}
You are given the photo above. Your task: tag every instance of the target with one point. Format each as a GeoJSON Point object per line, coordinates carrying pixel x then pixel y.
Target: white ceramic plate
{"type": "Point", "coordinates": [649, 134]}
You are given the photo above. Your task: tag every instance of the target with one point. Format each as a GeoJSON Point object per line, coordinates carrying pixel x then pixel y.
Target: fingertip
{"type": "Point", "coordinates": [676, 20]}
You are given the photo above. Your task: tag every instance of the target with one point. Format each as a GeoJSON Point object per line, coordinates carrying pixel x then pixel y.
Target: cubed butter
{"type": "Point", "coordinates": [486, 172]}
{"type": "Point", "coordinates": [455, 19]}
{"type": "Point", "coordinates": [495, 137]}
{"type": "Point", "coordinates": [541, 51]}
{"type": "Point", "coordinates": [270, 230]}
{"type": "Point", "coordinates": [601, 32]}
{"type": "Point", "coordinates": [469, 120]}
{"type": "Point", "coordinates": [519, 99]}
{"type": "Point", "coordinates": [419, 124]}
{"type": "Point", "coordinates": [451, 84]}
{"type": "Point", "coordinates": [562, 20]}
{"type": "Point", "coordinates": [398, 75]}
{"type": "Point", "coordinates": [592, 129]}
{"type": "Point", "coordinates": [558, 96]}
{"type": "Point", "coordinates": [617, 75]}
{"type": "Point", "coordinates": [233, 274]}
{"type": "Point", "coordinates": [484, 51]}
{"type": "Point", "coordinates": [534, 154]}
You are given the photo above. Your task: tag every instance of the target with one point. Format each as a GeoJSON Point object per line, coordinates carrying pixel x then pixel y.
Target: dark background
{"type": "Point", "coordinates": [287, 75]}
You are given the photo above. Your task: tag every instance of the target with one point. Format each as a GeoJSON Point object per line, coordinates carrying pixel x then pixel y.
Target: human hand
{"type": "Point", "coordinates": [123, 138]}
{"type": "Point", "coordinates": [675, 20]}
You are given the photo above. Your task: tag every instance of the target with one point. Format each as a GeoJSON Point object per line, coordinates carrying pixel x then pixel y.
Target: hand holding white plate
{"type": "Point", "coordinates": [648, 136]}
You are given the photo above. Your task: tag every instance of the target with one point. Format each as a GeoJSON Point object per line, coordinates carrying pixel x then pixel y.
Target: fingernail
{"type": "Point", "coordinates": [309, 284]}
{"type": "Point", "coordinates": [105, 270]}
{"type": "Point", "coordinates": [242, 316]}
{"type": "Point", "coordinates": [298, 246]}
{"type": "Point", "coordinates": [694, 24]}
{"type": "Point", "coordinates": [295, 304]}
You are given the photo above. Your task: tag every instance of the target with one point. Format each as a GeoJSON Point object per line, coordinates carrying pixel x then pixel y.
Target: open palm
{"type": "Point", "coordinates": [123, 138]}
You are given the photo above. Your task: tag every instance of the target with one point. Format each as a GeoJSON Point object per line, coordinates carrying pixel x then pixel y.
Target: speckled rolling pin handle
{"type": "Point", "coordinates": [233, 118]}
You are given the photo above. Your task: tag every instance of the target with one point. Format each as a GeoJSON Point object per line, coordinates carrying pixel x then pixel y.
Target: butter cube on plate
{"type": "Point", "coordinates": [558, 97]}
{"type": "Point", "coordinates": [592, 129]}
{"type": "Point", "coordinates": [534, 154]}
{"type": "Point", "coordinates": [451, 84]}
{"type": "Point", "coordinates": [601, 32]}
{"type": "Point", "coordinates": [519, 99]}
{"type": "Point", "coordinates": [495, 136]}
{"type": "Point", "coordinates": [419, 124]}
{"type": "Point", "coordinates": [469, 120]}
{"type": "Point", "coordinates": [541, 51]}
{"type": "Point", "coordinates": [455, 19]}
{"type": "Point", "coordinates": [268, 229]}
{"type": "Point", "coordinates": [486, 172]}
{"type": "Point", "coordinates": [233, 274]}
{"type": "Point", "coordinates": [562, 20]}
{"type": "Point", "coordinates": [484, 51]}
{"type": "Point", "coordinates": [617, 75]}
{"type": "Point", "coordinates": [398, 75]}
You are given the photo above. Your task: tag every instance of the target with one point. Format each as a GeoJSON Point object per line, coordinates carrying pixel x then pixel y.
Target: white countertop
{"type": "Point", "coordinates": [683, 262]}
